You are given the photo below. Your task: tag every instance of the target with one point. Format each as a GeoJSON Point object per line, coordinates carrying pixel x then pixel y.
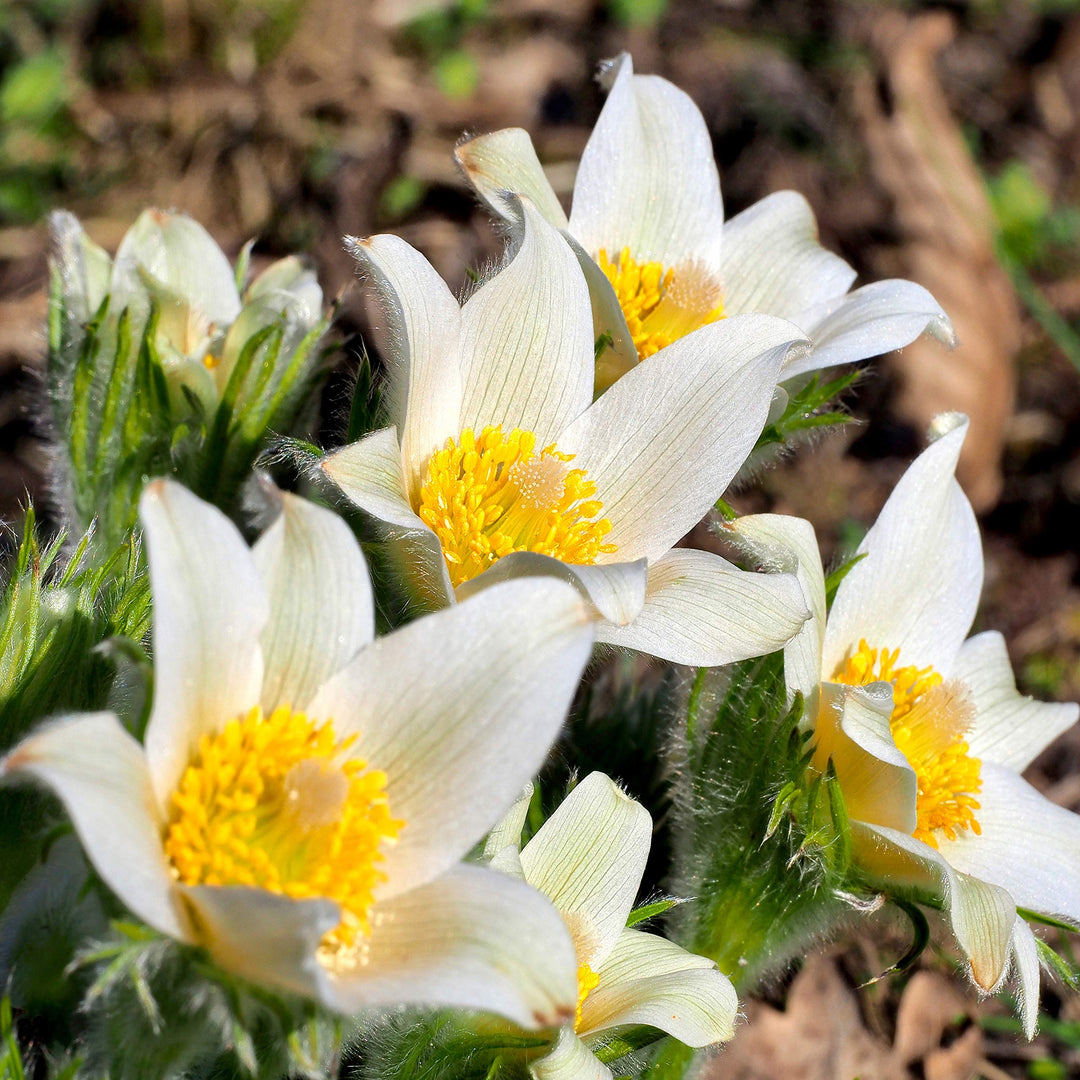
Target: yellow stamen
{"type": "Point", "coordinates": [488, 495]}
{"type": "Point", "coordinates": [278, 803]}
{"type": "Point", "coordinates": [210, 361]}
{"type": "Point", "coordinates": [661, 305]}
{"type": "Point", "coordinates": [930, 721]}
{"type": "Point", "coordinates": [587, 980]}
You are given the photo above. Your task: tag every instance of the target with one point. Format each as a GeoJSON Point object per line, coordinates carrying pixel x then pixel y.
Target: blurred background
{"type": "Point", "coordinates": [940, 143]}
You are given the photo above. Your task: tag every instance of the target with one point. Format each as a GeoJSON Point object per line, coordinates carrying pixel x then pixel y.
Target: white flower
{"type": "Point", "coordinates": [647, 223]}
{"type": "Point", "coordinates": [306, 793]}
{"type": "Point", "coordinates": [588, 857]}
{"type": "Point", "coordinates": [500, 464]}
{"type": "Point", "coordinates": [925, 729]}
{"type": "Point", "coordinates": [170, 260]}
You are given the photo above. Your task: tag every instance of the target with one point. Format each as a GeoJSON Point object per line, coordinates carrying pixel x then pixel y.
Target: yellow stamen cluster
{"type": "Point", "coordinates": [661, 305]}
{"type": "Point", "coordinates": [487, 495]}
{"type": "Point", "coordinates": [277, 803]}
{"type": "Point", "coordinates": [587, 980]}
{"type": "Point", "coordinates": [929, 722]}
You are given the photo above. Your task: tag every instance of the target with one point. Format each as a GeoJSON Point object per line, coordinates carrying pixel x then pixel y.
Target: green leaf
{"type": "Point", "coordinates": [803, 412]}
{"type": "Point", "coordinates": [834, 577]}
{"type": "Point", "coordinates": [650, 911]}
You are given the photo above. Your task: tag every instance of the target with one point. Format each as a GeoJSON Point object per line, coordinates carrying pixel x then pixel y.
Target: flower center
{"type": "Point", "coordinates": [662, 305]}
{"type": "Point", "coordinates": [586, 982]}
{"type": "Point", "coordinates": [488, 495]}
{"type": "Point", "coordinates": [277, 803]}
{"type": "Point", "coordinates": [930, 721]}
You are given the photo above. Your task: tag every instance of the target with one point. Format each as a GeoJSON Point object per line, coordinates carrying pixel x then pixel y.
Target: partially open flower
{"type": "Point", "coordinates": [500, 463]}
{"type": "Point", "coordinates": [926, 730]}
{"type": "Point", "coordinates": [306, 793]}
{"type": "Point", "coordinates": [647, 223]}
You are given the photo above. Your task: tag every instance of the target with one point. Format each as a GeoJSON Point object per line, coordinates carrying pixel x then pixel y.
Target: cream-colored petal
{"type": "Point", "coordinates": [647, 178]}
{"type": "Point", "coordinates": [570, 1059]}
{"type": "Point", "coordinates": [1025, 971]}
{"type": "Point", "coordinates": [507, 833]}
{"type": "Point", "coordinates": [505, 162]}
{"type": "Point", "coordinates": [918, 586]}
{"type": "Point", "coordinates": [1009, 729]}
{"type": "Point", "coordinates": [471, 939]}
{"type": "Point", "coordinates": [588, 857]}
{"type": "Point", "coordinates": [782, 544]}
{"type": "Point", "coordinates": [663, 443]}
{"type": "Point", "coordinates": [649, 980]}
{"type": "Point", "coordinates": [210, 609]}
{"type": "Point", "coordinates": [701, 611]}
{"type": "Point", "coordinates": [99, 772]}
{"type": "Point", "coordinates": [424, 324]}
{"type": "Point", "coordinates": [322, 611]}
{"type": "Point", "coordinates": [459, 709]}
{"type": "Point", "coordinates": [527, 339]}
{"type": "Point", "coordinates": [84, 267]}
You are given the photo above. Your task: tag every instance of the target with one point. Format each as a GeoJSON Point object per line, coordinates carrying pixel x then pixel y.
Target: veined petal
{"type": "Point", "coordinates": [322, 611]}
{"type": "Point", "coordinates": [649, 980]}
{"type": "Point", "coordinates": [853, 731]}
{"type": "Point", "coordinates": [507, 833]}
{"type": "Point", "coordinates": [702, 611]}
{"type": "Point", "coordinates": [263, 936]}
{"type": "Point", "coordinates": [875, 319]}
{"type": "Point", "coordinates": [99, 772]}
{"type": "Point", "coordinates": [459, 709]}
{"type": "Point", "coordinates": [588, 857]}
{"type": "Point", "coordinates": [1027, 845]}
{"type": "Point", "coordinates": [1025, 968]}
{"type": "Point", "coordinates": [505, 162]}
{"type": "Point", "coordinates": [210, 609]}
{"type": "Point", "coordinates": [647, 178]}
{"type": "Point", "coordinates": [615, 590]}
{"type": "Point", "coordinates": [472, 939]}
{"type": "Point", "coordinates": [1009, 729]}
{"type": "Point", "coordinates": [981, 914]}
{"type": "Point", "coordinates": [424, 321]}
{"type": "Point", "coordinates": [918, 586]}
{"type": "Point", "coordinates": [527, 341]}
{"type": "Point", "coordinates": [570, 1059]}
{"type": "Point", "coordinates": [663, 443]}
{"type": "Point", "coordinates": [784, 544]}
{"type": "Point", "coordinates": [772, 261]}
{"type": "Point", "coordinates": [291, 277]}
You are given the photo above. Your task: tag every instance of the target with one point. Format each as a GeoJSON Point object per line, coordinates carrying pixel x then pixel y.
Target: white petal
{"type": "Point", "coordinates": [647, 178]}
{"type": "Point", "coordinates": [210, 608]}
{"type": "Point", "coordinates": [459, 708]}
{"type": "Point", "coordinates": [853, 730]}
{"type": "Point", "coordinates": [295, 278]}
{"type": "Point", "coordinates": [588, 857]}
{"type": "Point", "coordinates": [527, 340]}
{"type": "Point", "coordinates": [783, 544]}
{"type": "Point", "coordinates": [505, 162]}
{"type": "Point", "coordinates": [262, 936]}
{"type": "Point", "coordinates": [508, 831]}
{"type": "Point", "coordinates": [649, 980]}
{"type": "Point", "coordinates": [981, 914]}
{"type": "Point", "coordinates": [99, 772]}
{"type": "Point", "coordinates": [1028, 845]}
{"type": "Point", "coordinates": [1025, 969]}
{"type": "Point", "coordinates": [1009, 729]}
{"type": "Point", "coordinates": [322, 611]}
{"type": "Point", "coordinates": [424, 322]}
{"type": "Point", "coordinates": [702, 611]}
{"type": "Point", "coordinates": [570, 1059]}
{"type": "Point", "coordinates": [615, 590]}
{"type": "Point", "coordinates": [472, 939]}
{"type": "Point", "coordinates": [871, 321]}
{"type": "Point", "coordinates": [83, 266]}
{"type": "Point", "coordinates": [772, 261]}
{"type": "Point", "coordinates": [918, 586]}
{"type": "Point", "coordinates": [663, 443]}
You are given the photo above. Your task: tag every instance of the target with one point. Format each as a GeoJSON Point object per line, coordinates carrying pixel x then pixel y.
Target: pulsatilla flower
{"type": "Point", "coordinates": [647, 223]}
{"type": "Point", "coordinates": [588, 857]}
{"type": "Point", "coordinates": [306, 793]}
{"type": "Point", "coordinates": [500, 464]}
{"type": "Point", "coordinates": [926, 730]}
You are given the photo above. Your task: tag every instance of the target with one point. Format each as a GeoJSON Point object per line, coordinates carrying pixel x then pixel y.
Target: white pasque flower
{"type": "Point", "coordinates": [307, 793]}
{"type": "Point", "coordinates": [588, 857]}
{"type": "Point", "coordinates": [647, 223]}
{"type": "Point", "coordinates": [500, 464]}
{"type": "Point", "coordinates": [170, 260]}
{"type": "Point", "coordinates": [925, 729]}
